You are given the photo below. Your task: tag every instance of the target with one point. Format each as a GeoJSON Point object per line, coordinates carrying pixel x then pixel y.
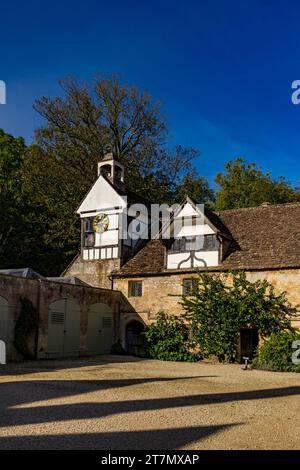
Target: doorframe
{"type": "Point", "coordinates": [248, 328]}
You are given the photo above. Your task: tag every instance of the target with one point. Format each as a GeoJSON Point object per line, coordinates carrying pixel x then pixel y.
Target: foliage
{"type": "Point", "coordinates": [276, 353]}
{"type": "Point", "coordinates": [117, 348]}
{"type": "Point", "coordinates": [167, 339]}
{"type": "Point", "coordinates": [42, 185]}
{"type": "Point", "coordinates": [50, 190]}
{"type": "Point", "coordinates": [222, 304]}
{"type": "Point", "coordinates": [245, 185]}
{"type": "Point", "coordinates": [26, 324]}
{"type": "Point", "coordinates": [81, 124]}
{"type": "Point", "coordinates": [12, 207]}
{"type": "Point", "coordinates": [197, 188]}
{"type": "Point", "coordinates": [61, 167]}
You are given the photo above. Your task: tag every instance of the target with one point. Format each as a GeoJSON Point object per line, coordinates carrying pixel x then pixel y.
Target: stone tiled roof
{"type": "Point", "coordinates": [69, 280]}
{"type": "Point", "coordinates": [27, 273]}
{"type": "Point", "coordinates": [264, 237]}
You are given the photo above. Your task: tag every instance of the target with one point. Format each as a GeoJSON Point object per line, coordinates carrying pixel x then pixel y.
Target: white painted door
{"type": "Point", "coordinates": [64, 328]}
{"type": "Point", "coordinates": [72, 329]}
{"type": "Point", "coordinates": [100, 329]}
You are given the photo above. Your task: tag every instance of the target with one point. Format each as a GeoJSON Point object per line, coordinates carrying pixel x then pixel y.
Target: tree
{"type": "Point", "coordinates": [222, 304]}
{"type": "Point", "coordinates": [197, 188]}
{"type": "Point", "coordinates": [50, 191]}
{"type": "Point", "coordinates": [61, 167]}
{"type": "Point", "coordinates": [81, 124]}
{"type": "Point", "coordinates": [12, 205]}
{"type": "Point", "coordinates": [245, 185]}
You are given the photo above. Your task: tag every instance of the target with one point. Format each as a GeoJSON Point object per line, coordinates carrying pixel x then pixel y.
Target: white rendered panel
{"type": "Point", "coordinates": [115, 252]}
{"type": "Point", "coordinates": [178, 258]}
{"type": "Point", "coordinates": [110, 237]}
{"type": "Point", "coordinates": [193, 230]}
{"type": "Point", "coordinates": [187, 210]}
{"type": "Point", "coordinates": [211, 258]}
{"type": "Point", "coordinates": [101, 196]}
{"type": "Point", "coordinates": [202, 259]}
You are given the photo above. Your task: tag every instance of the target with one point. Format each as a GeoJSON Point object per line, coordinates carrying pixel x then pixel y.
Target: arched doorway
{"type": "Point", "coordinates": [100, 329]}
{"type": "Point", "coordinates": [4, 320]}
{"type": "Point", "coordinates": [135, 342]}
{"type": "Point", "coordinates": [64, 328]}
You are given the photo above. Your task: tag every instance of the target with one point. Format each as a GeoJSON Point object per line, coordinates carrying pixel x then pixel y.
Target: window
{"type": "Point", "coordinates": [88, 224]}
{"type": "Point", "coordinates": [197, 243]}
{"type": "Point", "coordinates": [135, 288]}
{"type": "Point", "coordinates": [188, 286]}
{"type": "Point", "coordinates": [88, 238]}
{"type": "Point", "coordinates": [211, 243]}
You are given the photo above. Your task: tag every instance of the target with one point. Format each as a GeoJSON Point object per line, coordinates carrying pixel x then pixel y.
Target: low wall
{"type": "Point", "coordinates": [42, 293]}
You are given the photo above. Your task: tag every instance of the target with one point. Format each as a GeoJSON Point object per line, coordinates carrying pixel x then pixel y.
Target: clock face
{"type": "Point", "coordinates": [100, 223]}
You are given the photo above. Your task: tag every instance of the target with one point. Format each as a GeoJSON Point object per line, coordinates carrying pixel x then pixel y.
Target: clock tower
{"type": "Point", "coordinates": [100, 212]}
{"type": "Point", "coordinates": [103, 249]}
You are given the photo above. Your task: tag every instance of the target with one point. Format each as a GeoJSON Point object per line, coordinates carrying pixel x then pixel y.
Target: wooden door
{"type": "Point", "coordinates": [100, 329]}
{"type": "Point", "coordinates": [249, 342]}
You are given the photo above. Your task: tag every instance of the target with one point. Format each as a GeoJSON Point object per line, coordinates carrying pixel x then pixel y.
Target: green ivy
{"type": "Point", "coordinates": [27, 322]}
{"type": "Point", "coordinates": [167, 339]}
{"type": "Point", "coordinates": [224, 303]}
{"type": "Point", "coordinates": [276, 353]}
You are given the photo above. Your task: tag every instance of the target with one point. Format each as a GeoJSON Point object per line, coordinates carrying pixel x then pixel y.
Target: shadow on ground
{"type": "Point", "coordinates": [163, 439]}
{"type": "Point", "coordinates": [14, 394]}
{"type": "Point", "coordinates": [55, 365]}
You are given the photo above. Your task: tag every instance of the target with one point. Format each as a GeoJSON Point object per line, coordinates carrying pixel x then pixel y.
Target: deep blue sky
{"type": "Point", "coordinates": [222, 69]}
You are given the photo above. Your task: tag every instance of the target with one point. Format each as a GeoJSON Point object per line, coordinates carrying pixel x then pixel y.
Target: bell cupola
{"type": "Point", "coordinates": [111, 168]}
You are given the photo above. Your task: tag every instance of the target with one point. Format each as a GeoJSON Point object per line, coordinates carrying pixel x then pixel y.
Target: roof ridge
{"type": "Point", "coordinates": [261, 206]}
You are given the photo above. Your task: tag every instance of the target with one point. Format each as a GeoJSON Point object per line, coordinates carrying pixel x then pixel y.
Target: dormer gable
{"type": "Point", "coordinates": [193, 239]}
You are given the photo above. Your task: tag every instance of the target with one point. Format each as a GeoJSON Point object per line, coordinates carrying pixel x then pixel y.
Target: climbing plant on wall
{"type": "Point", "coordinates": [222, 304]}
{"type": "Point", "coordinates": [26, 324]}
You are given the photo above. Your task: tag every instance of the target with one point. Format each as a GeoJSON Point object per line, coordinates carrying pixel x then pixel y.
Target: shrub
{"type": "Point", "coordinates": [167, 339]}
{"type": "Point", "coordinates": [276, 353]}
{"type": "Point", "coordinates": [118, 349]}
{"type": "Point", "coordinates": [26, 324]}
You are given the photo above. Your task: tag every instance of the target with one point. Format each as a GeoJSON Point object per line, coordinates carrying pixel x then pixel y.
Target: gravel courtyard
{"type": "Point", "coordinates": [114, 402]}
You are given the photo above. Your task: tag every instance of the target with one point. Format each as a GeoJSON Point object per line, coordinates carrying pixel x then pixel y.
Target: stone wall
{"type": "Point", "coordinates": [95, 273]}
{"type": "Point", "coordinates": [163, 292]}
{"type": "Point", "coordinates": [42, 293]}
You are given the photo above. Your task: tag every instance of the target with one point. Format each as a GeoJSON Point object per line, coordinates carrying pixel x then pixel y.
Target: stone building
{"type": "Point", "coordinates": [152, 272]}
{"type": "Point", "coordinates": [74, 319]}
